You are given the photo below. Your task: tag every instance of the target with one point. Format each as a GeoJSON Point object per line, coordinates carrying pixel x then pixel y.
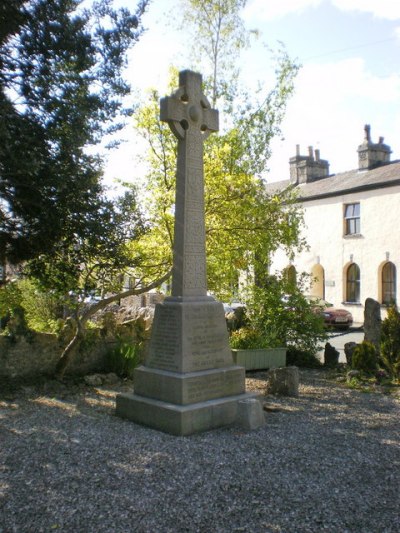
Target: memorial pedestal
{"type": "Point", "coordinates": [189, 382]}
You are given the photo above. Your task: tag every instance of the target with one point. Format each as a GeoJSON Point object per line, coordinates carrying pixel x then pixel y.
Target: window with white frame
{"type": "Point", "coordinates": [352, 219]}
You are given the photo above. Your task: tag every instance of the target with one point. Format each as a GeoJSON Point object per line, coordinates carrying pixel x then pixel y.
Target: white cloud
{"type": "Point", "coordinates": [270, 10]}
{"type": "Point", "coordinates": [386, 9]}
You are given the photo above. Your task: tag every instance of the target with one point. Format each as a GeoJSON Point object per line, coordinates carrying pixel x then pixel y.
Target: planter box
{"type": "Point", "coordinates": [260, 359]}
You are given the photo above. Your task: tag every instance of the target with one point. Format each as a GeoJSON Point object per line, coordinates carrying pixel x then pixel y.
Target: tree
{"type": "Point", "coordinates": [95, 262]}
{"type": "Point", "coordinates": [61, 89]}
{"type": "Point", "coordinates": [244, 224]}
{"type": "Point", "coordinates": [220, 35]}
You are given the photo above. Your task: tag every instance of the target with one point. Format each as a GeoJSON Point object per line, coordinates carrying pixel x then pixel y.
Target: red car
{"type": "Point", "coordinates": [333, 317]}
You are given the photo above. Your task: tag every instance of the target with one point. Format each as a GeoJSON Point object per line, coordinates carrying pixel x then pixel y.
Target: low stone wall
{"type": "Point", "coordinates": [37, 355]}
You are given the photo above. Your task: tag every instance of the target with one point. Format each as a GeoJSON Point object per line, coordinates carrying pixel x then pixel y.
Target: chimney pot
{"type": "Point", "coordinates": [371, 155]}
{"type": "Point", "coordinates": [367, 134]}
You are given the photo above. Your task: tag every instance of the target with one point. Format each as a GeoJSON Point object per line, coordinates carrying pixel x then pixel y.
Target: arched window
{"type": "Point", "coordinates": [291, 275]}
{"type": "Point", "coordinates": [388, 284]}
{"type": "Point", "coordinates": [353, 283]}
{"type": "Point", "coordinates": [318, 283]}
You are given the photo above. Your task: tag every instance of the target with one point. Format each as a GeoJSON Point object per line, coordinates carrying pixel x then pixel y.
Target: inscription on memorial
{"type": "Point", "coordinates": [215, 386]}
{"type": "Point", "coordinates": [165, 341]}
{"type": "Point", "coordinates": [195, 272]}
{"type": "Point", "coordinates": [207, 342]}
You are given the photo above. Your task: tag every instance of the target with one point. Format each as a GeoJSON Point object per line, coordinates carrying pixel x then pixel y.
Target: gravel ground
{"type": "Point", "coordinates": [325, 461]}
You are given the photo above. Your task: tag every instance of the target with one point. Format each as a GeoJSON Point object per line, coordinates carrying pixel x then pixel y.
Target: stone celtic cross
{"type": "Point", "coordinates": [191, 119]}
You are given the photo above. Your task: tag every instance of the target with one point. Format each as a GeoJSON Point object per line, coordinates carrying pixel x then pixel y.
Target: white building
{"type": "Point", "coordinates": [351, 225]}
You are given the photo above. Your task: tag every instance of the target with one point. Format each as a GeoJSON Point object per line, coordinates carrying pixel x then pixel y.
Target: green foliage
{"type": "Point", "coordinates": [244, 224]}
{"type": "Point", "coordinates": [61, 89]}
{"type": "Point", "coordinates": [41, 309]}
{"type": "Point", "coordinates": [280, 312]}
{"type": "Point", "coordinates": [219, 34]}
{"type": "Point", "coordinates": [17, 325]}
{"type": "Point", "coordinates": [247, 339]}
{"type": "Point", "coordinates": [301, 358]}
{"type": "Point", "coordinates": [10, 297]}
{"type": "Point", "coordinates": [124, 358]}
{"type": "Point", "coordinates": [89, 339]}
{"type": "Point", "coordinates": [93, 260]}
{"type": "Point", "coordinates": [390, 342]}
{"type": "Point", "coordinates": [365, 357]}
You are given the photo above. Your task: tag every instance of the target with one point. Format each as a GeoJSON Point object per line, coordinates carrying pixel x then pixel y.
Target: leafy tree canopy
{"type": "Point", "coordinates": [61, 89]}
{"type": "Point", "coordinates": [244, 223]}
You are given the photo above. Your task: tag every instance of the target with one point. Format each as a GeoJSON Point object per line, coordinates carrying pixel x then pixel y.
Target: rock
{"type": "Point", "coordinates": [349, 348]}
{"type": "Point", "coordinates": [284, 381]}
{"type": "Point", "coordinates": [110, 379]}
{"type": "Point", "coordinates": [249, 414]}
{"type": "Point", "coordinates": [372, 322]}
{"type": "Point", "coordinates": [352, 374]}
{"type": "Point", "coordinates": [93, 380]}
{"type": "Point", "coordinates": [331, 356]}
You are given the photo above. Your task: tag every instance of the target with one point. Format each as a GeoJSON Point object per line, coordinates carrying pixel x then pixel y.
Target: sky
{"type": "Point", "coordinates": [349, 51]}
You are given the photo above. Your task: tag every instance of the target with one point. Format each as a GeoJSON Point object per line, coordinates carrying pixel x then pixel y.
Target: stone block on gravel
{"type": "Point", "coordinates": [284, 381]}
{"type": "Point", "coordinates": [250, 414]}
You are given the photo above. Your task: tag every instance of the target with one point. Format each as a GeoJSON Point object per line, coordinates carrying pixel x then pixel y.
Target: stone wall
{"type": "Point", "coordinates": [37, 355]}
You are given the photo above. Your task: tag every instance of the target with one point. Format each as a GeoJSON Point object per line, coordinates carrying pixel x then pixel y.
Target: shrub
{"type": "Point", "coordinates": [247, 339]}
{"type": "Point", "coordinates": [124, 358]}
{"type": "Point", "coordinates": [390, 342]}
{"type": "Point", "coordinates": [284, 317]}
{"type": "Point", "coordinates": [296, 357]}
{"type": "Point", "coordinates": [41, 310]}
{"type": "Point", "coordinates": [365, 357]}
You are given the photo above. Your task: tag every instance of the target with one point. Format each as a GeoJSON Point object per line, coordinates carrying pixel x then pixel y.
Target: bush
{"type": "Point", "coordinates": [390, 342]}
{"type": "Point", "coordinates": [281, 315]}
{"type": "Point", "coordinates": [124, 358]}
{"type": "Point", "coordinates": [365, 357]}
{"type": "Point", "coordinates": [41, 310]}
{"type": "Point", "coordinates": [247, 339]}
{"type": "Point", "coordinates": [296, 357]}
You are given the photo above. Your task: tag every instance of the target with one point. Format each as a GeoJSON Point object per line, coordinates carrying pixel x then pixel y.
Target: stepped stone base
{"type": "Point", "coordinates": [190, 387]}
{"type": "Point", "coordinates": [189, 382]}
{"type": "Point", "coordinates": [180, 419]}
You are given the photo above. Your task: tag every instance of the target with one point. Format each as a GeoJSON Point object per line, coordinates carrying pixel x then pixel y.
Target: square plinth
{"type": "Point", "coordinates": [190, 387]}
{"type": "Point", "coordinates": [189, 336]}
{"type": "Point", "coordinates": [180, 419]}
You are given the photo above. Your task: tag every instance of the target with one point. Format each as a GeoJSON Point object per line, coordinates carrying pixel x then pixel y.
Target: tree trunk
{"type": "Point", "coordinates": [70, 350]}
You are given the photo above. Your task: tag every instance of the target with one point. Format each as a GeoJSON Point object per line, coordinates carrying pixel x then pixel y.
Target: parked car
{"type": "Point", "coordinates": [333, 317]}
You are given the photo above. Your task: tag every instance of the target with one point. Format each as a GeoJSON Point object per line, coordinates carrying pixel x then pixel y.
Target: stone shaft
{"type": "Point", "coordinates": [191, 119]}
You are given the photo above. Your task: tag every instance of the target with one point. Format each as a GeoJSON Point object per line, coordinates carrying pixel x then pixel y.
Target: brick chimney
{"type": "Point", "coordinates": [371, 155]}
{"type": "Point", "coordinates": [307, 168]}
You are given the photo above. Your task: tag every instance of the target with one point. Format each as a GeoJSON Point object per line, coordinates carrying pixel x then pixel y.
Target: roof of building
{"type": "Point", "coordinates": [387, 175]}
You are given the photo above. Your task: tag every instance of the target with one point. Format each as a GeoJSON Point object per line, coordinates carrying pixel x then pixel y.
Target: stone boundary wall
{"type": "Point", "coordinates": [37, 355]}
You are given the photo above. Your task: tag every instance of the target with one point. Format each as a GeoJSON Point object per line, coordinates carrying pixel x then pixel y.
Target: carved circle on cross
{"type": "Point", "coordinates": [187, 110]}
